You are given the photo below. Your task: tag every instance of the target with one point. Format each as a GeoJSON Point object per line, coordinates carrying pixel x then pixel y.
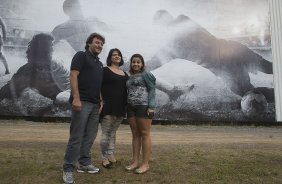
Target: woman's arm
{"type": "Point", "coordinates": [151, 88]}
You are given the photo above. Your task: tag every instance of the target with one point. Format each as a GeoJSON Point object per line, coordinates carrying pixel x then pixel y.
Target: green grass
{"type": "Point", "coordinates": [39, 162]}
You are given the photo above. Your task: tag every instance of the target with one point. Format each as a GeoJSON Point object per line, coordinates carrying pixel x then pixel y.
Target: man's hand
{"type": "Point", "coordinates": [76, 104]}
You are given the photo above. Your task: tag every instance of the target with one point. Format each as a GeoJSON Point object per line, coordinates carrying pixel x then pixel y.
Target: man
{"type": "Point", "coordinates": [41, 72]}
{"type": "Point", "coordinates": [2, 56]}
{"type": "Point", "coordinates": [77, 27]}
{"type": "Point", "coordinates": [85, 81]}
{"type": "Point", "coordinates": [230, 60]}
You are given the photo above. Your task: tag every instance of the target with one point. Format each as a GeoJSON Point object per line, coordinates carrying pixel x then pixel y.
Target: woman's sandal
{"type": "Point", "coordinates": [130, 168]}
{"type": "Point", "coordinates": [140, 171]}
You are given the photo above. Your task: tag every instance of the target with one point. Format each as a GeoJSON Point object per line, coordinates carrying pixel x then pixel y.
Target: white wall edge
{"type": "Point", "coordinates": [275, 9]}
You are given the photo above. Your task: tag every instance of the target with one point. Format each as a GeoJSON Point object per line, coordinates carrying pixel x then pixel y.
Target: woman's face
{"type": "Point", "coordinates": [136, 65]}
{"type": "Point", "coordinates": [116, 59]}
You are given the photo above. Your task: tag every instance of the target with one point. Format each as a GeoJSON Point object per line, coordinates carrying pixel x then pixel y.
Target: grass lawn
{"type": "Point", "coordinates": [33, 152]}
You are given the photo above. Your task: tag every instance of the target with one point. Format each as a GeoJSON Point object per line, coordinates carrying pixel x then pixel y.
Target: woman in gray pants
{"type": "Point", "coordinates": [114, 94]}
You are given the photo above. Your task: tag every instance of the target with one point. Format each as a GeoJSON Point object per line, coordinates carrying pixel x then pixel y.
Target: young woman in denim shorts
{"type": "Point", "coordinates": [140, 110]}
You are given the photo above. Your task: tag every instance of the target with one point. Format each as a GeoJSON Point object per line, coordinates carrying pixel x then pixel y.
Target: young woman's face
{"type": "Point", "coordinates": [116, 59]}
{"type": "Point", "coordinates": [136, 64]}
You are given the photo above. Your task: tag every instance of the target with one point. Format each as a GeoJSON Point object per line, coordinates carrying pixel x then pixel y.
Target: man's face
{"type": "Point", "coordinates": [96, 46]}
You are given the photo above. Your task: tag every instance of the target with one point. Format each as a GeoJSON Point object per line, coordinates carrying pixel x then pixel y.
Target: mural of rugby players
{"type": "Point", "coordinates": [203, 69]}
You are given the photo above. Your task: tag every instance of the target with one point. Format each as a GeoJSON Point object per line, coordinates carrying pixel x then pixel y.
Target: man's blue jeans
{"type": "Point", "coordinates": [83, 131]}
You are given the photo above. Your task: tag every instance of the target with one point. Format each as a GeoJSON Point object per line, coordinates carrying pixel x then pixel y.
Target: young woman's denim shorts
{"type": "Point", "coordinates": [139, 111]}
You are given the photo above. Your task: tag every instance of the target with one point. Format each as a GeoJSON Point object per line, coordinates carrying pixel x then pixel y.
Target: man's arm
{"type": "Point", "coordinates": [76, 103]}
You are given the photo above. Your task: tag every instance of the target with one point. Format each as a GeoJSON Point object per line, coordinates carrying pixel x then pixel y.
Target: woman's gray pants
{"type": "Point", "coordinates": [109, 125]}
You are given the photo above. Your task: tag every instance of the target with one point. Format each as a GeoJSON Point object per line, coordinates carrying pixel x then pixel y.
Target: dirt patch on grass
{"type": "Point", "coordinates": [25, 131]}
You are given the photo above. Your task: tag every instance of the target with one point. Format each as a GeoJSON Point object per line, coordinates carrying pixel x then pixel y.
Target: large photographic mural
{"type": "Point", "coordinates": [212, 59]}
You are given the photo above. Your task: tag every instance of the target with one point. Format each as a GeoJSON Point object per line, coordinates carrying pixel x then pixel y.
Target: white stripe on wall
{"type": "Point", "coordinates": [275, 7]}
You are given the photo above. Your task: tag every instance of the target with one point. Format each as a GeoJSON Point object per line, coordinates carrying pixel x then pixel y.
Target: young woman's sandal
{"type": "Point", "coordinates": [141, 171]}
{"type": "Point", "coordinates": [130, 167]}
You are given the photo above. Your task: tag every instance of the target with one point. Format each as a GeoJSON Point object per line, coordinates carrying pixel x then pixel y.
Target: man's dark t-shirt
{"type": "Point", "coordinates": [90, 76]}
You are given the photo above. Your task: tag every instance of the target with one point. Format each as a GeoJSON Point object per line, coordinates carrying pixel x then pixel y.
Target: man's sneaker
{"type": "Point", "coordinates": [68, 177]}
{"type": "Point", "coordinates": [89, 168]}
{"type": "Point", "coordinates": [112, 158]}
